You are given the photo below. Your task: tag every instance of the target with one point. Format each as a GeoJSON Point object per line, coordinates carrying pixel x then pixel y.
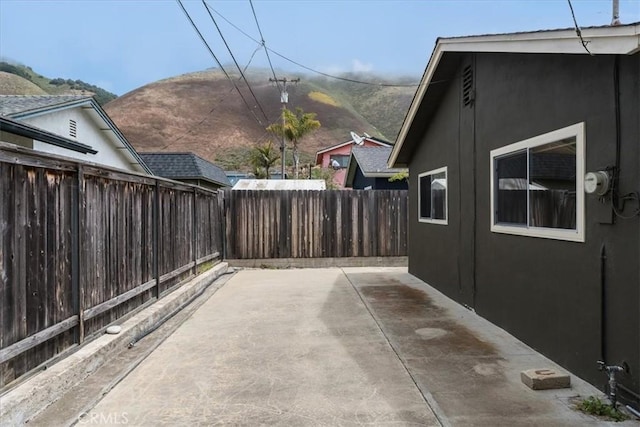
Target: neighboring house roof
{"type": "Point", "coordinates": [372, 161]}
{"type": "Point", "coordinates": [280, 184]}
{"type": "Point", "coordinates": [182, 166]}
{"type": "Point", "coordinates": [443, 65]}
{"type": "Point", "coordinates": [32, 132]}
{"type": "Point", "coordinates": [371, 139]}
{"type": "Point", "coordinates": [19, 107]}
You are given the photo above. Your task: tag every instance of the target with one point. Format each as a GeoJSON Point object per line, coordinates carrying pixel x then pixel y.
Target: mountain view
{"type": "Point", "coordinates": [203, 113]}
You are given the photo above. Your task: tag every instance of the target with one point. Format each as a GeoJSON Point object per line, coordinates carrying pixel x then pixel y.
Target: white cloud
{"type": "Point", "coordinates": [333, 69]}
{"type": "Point", "coordinates": [361, 67]}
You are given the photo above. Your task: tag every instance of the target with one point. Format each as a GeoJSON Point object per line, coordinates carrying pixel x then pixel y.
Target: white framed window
{"type": "Point", "coordinates": [537, 186]}
{"type": "Point", "coordinates": [432, 196]}
{"type": "Point", "coordinates": [339, 161]}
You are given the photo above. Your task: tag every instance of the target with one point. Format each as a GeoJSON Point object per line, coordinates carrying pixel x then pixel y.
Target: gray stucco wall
{"type": "Point", "coordinates": [546, 292]}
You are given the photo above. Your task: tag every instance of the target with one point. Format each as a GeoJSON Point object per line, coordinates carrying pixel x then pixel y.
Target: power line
{"type": "Point", "coordinates": [234, 60]}
{"type": "Point", "coordinates": [219, 63]}
{"type": "Point", "coordinates": [346, 79]}
{"type": "Point", "coordinates": [578, 31]}
{"type": "Point", "coordinates": [216, 104]}
{"type": "Point", "coordinates": [266, 51]}
{"type": "Point", "coordinates": [304, 66]}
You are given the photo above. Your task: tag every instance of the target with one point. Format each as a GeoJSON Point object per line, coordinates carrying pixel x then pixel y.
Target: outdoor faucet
{"type": "Point", "coordinates": [611, 371]}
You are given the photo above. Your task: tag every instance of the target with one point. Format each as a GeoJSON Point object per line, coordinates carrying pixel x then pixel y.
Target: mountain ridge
{"type": "Point", "coordinates": [202, 112]}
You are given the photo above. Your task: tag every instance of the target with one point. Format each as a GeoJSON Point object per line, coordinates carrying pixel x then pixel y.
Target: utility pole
{"type": "Point", "coordinates": [615, 20]}
{"type": "Point", "coordinates": [284, 99]}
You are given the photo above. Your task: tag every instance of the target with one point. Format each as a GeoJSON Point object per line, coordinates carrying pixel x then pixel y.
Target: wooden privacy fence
{"type": "Point", "coordinates": [315, 224]}
{"type": "Point", "coordinates": [81, 246]}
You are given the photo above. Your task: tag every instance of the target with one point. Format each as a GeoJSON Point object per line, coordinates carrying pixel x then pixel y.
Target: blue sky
{"type": "Point", "coordinates": [121, 45]}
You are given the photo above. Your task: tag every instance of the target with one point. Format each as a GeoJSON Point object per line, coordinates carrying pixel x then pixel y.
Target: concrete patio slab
{"type": "Point", "coordinates": [286, 347]}
{"type": "Point", "coordinates": [336, 346]}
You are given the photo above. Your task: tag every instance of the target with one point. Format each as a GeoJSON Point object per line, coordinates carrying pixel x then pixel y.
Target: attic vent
{"type": "Point", "coordinates": [467, 86]}
{"type": "Point", "coordinates": [72, 128]}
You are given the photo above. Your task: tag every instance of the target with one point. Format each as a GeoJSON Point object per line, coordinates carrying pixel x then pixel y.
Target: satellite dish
{"type": "Point", "coordinates": [357, 138]}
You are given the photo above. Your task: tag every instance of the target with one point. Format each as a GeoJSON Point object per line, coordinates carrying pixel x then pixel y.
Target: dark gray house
{"type": "Point", "coordinates": [186, 167]}
{"type": "Point", "coordinates": [524, 159]}
{"type": "Point", "coordinates": [367, 170]}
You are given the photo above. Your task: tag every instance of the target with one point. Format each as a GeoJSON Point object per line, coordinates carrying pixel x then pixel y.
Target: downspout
{"type": "Point", "coordinates": [475, 184]}
{"type": "Point", "coordinates": [611, 370]}
{"type": "Point", "coordinates": [603, 303]}
{"type": "Point", "coordinates": [616, 106]}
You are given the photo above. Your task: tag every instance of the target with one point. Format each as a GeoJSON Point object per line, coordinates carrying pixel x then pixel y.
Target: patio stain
{"type": "Point", "coordinates": [405, 311]}
{"type": "Point", "coordinates": [462, 371]}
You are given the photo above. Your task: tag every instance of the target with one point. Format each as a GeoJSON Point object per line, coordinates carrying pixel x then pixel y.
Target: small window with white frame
{"type": "Point", "coordinates": [537, 186]}
{"type": "Point", "coordinates": [432, 196]}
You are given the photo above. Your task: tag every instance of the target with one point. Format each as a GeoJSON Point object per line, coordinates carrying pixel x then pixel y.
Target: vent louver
{"type": "Point", "coordinates": [72, 128]}
{"type": "Point", "coordinates": [467, 86]}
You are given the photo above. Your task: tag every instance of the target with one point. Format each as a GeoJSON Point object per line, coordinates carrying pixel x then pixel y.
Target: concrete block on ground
{"type": "Point", "coordinates": [545, 379]}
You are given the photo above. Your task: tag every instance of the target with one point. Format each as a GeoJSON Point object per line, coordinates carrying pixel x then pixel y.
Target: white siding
{"type": "Point", "coordinates": [87, 133]}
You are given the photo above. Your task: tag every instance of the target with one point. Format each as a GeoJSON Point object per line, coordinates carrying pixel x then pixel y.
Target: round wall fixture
{"type": "Point", "coordinates": [596, 183]}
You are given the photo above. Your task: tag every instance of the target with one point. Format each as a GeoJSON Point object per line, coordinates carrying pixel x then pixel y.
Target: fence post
{"type": "Point", "coordinates": [77, 294]}
{"type": "Point", "coordinates": [156, 239]}
{"type": "Point", "coordinates": [194, 238]}
{"type": "Point", "coordinates": [222, 220]}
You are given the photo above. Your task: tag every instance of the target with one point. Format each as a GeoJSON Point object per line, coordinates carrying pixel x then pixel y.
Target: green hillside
{"type": "Point", "coordinates": [55, 86]}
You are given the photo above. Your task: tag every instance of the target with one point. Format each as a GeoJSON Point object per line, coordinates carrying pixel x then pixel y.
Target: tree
{"type": "Point", "coordinates": [263, 157]}
{"type": "Point", "coordinates": [326, 174]}
{"type": "Point", "coordinates": [295, 126]}
{"type": "Point", "coordinates": [400, 176]}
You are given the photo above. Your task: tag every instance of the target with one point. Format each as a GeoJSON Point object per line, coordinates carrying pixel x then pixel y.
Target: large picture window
{"type": "Point", "coordinates": [432, 196]}
{"type": "Point", "coordinates": [537, 186]}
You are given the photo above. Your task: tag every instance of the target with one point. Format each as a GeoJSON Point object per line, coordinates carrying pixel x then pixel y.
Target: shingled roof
{"type": "Point", "coordinates": [373, 160]}
{"type": "Point", "coordinates": [185, 166]}
{"type": "Point", "coordinates": [12, 105]}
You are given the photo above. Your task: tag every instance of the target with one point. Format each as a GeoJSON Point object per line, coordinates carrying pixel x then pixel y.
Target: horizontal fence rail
{"type": "Point", "coordinates": [315, 224]}
{"type": "Point", "coordinates": [82, 246]}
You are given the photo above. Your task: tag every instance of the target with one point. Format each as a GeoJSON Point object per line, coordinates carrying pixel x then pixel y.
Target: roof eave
{"type": "Point", "coordinates": [34, 112]}
{"type": "Point", "coordinates": [351, 171]}
{"type": "Point", "coordinates": [201, 178]}
{"type": "Point", "coordinates": [134, 157]}
{"type": "Point", "coordinates": [34, 133]}
{"type": "Point", "coordinates": [618, 40]}
{"type": "Point", "coordinates": [379, 174]}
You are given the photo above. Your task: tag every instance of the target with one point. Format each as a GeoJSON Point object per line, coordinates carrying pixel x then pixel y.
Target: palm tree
{"type": "Point", "coordinates": [295, 126]}
{"type": "Point", "coordinates": [264, 156]}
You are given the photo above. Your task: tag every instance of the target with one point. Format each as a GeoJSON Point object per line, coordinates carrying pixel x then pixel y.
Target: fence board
{"type": "Point", "coordinates": [115, 249]}
{"type": "Point", "coordinates": [307, 224]}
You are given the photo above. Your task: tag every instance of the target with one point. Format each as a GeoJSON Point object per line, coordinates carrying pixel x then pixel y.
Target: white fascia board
{"type": "Point", "coordinates": [417, 100]}
{"type": "Point", "coordinates": [333, 147]}
{"type": "Point", "coordinates": [623, 40]}
{"type": "Point", "coordinates": [49, 109]}
{"type": "Point", "coordinates": [117, 138]}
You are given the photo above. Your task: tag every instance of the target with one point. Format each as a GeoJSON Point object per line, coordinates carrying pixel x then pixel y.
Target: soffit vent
{"type": "Point", "coordinates": [467, 86]}
{"type": "Point", "coordinates": [73, 127]}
